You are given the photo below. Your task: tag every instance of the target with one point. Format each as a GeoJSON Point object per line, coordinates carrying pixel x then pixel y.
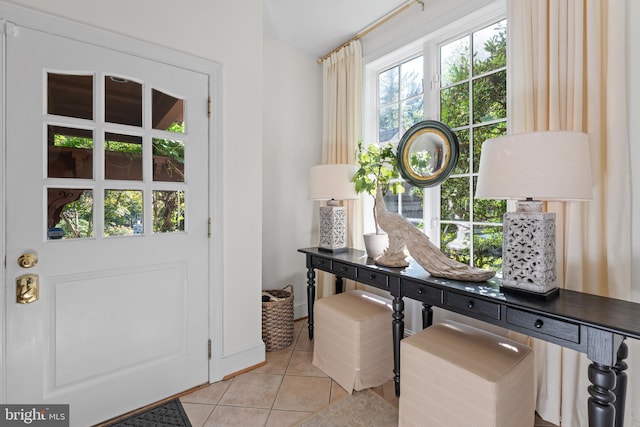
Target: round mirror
{"type": "Point", "coordinates": [427, 153]}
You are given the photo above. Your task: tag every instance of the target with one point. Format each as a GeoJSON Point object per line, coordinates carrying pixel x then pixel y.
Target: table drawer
{"type": "Point", "coordinates": [344, 270]}
{"type": "Point", "coordinates": [549, 326]}
{"type": "Point", "coordinates": [321, 263]}
{"type": "Point", "coordinates": [373, 278]}
{"type": "Point", "coordinates": [422, 293]}
{"type": "Point", "coordinates": [465, 304]}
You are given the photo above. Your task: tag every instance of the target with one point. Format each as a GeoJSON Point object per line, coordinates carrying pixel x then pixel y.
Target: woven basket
{"type": "Point", "coordinates": [277, 319]}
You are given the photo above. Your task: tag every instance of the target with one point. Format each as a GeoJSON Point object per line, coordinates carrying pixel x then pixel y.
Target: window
{"type": "Point", "coordinates": [119, 189]}
{"type": "Point", "coordinates": [468, 94]}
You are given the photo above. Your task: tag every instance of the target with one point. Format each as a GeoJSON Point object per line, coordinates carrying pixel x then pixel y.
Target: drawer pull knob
{"type": "Point", "coordinates": [420, 291]}
{"type": "Point", "coordinates": [343, 269]}
{"type": "Point", "coordinates": [470, 304]}
{"type": "Point", "coordinates": [372, 276]}
{"type": "Point", "coordinates": [539, 323]}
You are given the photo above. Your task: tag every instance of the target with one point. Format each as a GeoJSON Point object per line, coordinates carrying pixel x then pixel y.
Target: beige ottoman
{"type": "Point", "coordinates": [456, 375]}
{"type": "Point", "coordinates": [353, 341]}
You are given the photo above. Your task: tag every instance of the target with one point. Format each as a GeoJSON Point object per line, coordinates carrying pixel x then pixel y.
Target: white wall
{"type": "Point", "coordinates": [229, 33]}
{"type": "Point", "coordinates": [292, 145]}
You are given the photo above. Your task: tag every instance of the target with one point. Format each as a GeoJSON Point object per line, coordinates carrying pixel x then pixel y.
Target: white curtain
{"type": "Point", "coordinates": [567, 72]}
{"type": "Point", "coordinates": [341, 131]}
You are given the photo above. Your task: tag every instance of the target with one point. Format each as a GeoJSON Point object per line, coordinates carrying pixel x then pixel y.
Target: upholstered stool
{"type": "Point", "coordinates": [353, 341]}
{"type": "Point", "coordinates": [456, 375]}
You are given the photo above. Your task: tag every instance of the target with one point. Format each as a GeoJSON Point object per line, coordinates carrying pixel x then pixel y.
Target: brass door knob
{"type": "Point", "coordinates": [27, 260]}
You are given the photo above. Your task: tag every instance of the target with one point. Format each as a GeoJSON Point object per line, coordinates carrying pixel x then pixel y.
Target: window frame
{"type": "Point", "coordinates": [429, 47]}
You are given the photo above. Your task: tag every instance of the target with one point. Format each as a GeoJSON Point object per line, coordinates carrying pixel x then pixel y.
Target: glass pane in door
{"type": "Point", "coordinates": [122, 101]}
{"type": "Point", "coordinates": [167, 112]}
{"type": "Point", "coordinates": [123, 212]}
{"type": "Point", "coordinates": [168, 211]}
{"type": "Point", "coordinates": [168, 160]}
{"type": "Point", "coordinates": [70, 95]}
{"type": "Point", "coordinates": [69, 213]}
{"type": "Point", "coordinates": [69, 152]}
{"type": "Point", "coordinates": [122, 156]}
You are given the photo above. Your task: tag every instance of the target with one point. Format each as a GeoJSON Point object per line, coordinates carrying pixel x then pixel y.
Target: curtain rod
{"type": "Point", "coordinates": [373, 26]}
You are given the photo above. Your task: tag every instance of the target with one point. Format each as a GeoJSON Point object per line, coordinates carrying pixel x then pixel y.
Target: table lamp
{"type": "Point", "coordinates": [532, 168]}
{"type": "Point", "coordinates": [333, 184]}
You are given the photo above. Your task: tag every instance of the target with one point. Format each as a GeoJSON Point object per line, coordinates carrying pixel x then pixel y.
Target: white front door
{"type": "Point", "coordinates": [106, 177]}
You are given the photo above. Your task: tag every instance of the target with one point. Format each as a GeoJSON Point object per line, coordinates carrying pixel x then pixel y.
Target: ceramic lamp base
{"type": "Point", "coordinates": [529, 251]}
{"type": "Point", "coordinates": [333, 229]}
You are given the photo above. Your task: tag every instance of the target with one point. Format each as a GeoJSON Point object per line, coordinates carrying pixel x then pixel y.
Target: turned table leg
{"type": "Point", "coordinates": [427, 315]}
{"type": "Point", "coordinates": [398, 333]}
{"type": "Point", "coordinates": [600, 405]}
{"type": "Point", "coordinates": [620, 390]}
{"type": "Point", "coordinates": [311, 297]}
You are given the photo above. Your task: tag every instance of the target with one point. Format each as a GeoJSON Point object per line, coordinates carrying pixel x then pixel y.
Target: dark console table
{"type": "Point", "coordinates": [587, 323]}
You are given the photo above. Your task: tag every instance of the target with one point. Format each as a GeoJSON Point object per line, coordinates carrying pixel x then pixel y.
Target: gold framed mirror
{"type": "Point", "coordinates": [428, 153]}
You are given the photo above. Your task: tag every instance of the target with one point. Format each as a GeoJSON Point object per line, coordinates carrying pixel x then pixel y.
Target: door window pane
{"type": "Point", "coordinates": [168, 160]}
{"type": "Point", "coordinates": [168, 211]}
{"type": "Point", "coordinates": [123, 212]}
{"type": "Point", "coordinates": [69, 213]}
{"type": "Point", "coordinates": [122, 157]}
{"type": "Point", "coordinates": [70, 95]}
{"type": "Point", "coordinates": [69, 152]}
{"type": "Point", "coordinates": [167, 112]}
{"type": "Point", "coordinates": [122, 101]}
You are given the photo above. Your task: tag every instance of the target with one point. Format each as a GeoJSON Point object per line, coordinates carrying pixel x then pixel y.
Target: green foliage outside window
{"type": "Point", "coordinates": [123, 209]}
{"type": "Point", "coordinates": [473, 103]}
{"type": "Point", "coordinates": [76, 219]}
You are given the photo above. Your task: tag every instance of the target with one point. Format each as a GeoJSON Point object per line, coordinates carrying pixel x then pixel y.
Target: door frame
{"type": "Point", "coordinates": [25, 17]}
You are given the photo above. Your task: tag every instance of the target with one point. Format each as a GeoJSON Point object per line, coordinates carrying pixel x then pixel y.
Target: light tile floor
{"type": "Point", "coordinates": [281, 393]}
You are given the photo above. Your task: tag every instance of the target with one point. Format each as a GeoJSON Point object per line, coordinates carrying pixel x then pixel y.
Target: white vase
{"type": "Point", "coordinates": [375, 244]}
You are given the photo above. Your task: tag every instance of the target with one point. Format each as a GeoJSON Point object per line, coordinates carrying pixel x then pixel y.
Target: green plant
{"type": "Point", "coordinates": [378, 168]}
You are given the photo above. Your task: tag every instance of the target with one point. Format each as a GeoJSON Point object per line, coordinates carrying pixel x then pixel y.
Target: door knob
{"type": "Point", "coordinates": [27, 260]}
{"type": "Point", "coordinates": [27, 288]}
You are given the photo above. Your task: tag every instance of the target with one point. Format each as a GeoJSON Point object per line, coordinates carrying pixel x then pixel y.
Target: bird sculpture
{"type": "Point", "coordinates": [404, 235]}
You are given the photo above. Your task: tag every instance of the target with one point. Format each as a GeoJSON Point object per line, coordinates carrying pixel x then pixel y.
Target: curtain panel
{"type": "Point", "coordinates": [566, 66]}
{"type": "Point", "coordinates": [341, 131]}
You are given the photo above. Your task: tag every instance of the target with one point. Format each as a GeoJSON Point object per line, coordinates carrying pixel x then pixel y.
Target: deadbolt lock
{"type": "Point", "coordinates": [27, 288]}
{"type": "Point", "coordinates": [27, 260]}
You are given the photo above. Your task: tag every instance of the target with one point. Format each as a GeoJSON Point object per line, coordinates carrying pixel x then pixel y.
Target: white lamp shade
{"type": "Point", "coordinates": [333, 181]}
{"type": "Point", "coordinates": [551, 165]}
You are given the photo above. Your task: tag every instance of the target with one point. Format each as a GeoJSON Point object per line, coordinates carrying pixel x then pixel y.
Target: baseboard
{"type": "Point", "coordinates": [300, 310]}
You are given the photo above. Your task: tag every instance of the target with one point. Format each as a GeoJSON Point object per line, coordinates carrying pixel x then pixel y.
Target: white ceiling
{"type": "Point", "coordinates": [319, 26]}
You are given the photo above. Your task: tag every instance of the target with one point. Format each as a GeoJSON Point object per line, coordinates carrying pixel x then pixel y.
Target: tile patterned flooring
{"type": "Point", "coordinates": [279, 394]}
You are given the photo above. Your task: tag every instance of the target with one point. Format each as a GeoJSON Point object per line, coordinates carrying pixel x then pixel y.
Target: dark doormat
{"type": "Point", "coordinates": [170, 414]}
